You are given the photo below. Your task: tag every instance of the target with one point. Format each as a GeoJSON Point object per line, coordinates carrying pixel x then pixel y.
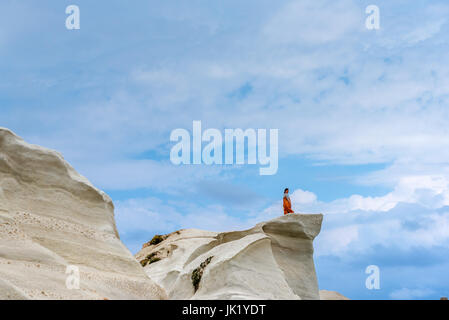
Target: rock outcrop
{"type": "Point", "coordinates": [50, 218]}
{"type": "Point", "coordinates": [331, 295]}
{"type": "Point", "coordinates": [273, 260]}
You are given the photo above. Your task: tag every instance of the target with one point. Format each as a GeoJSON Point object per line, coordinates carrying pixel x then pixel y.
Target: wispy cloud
{"type": "Point", "coordinates": [109, 95]}
{"type": "Point", "coordinates": [410, 294]}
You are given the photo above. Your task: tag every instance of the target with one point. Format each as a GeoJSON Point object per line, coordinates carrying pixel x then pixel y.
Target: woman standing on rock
{"type": "Point", "coordinates": [287, 203]}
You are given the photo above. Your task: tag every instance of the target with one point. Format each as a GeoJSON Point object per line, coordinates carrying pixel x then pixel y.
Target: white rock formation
{"type": "Point", "coordinates": [331, 295]}
{"type": "Point", "coordinates": [273, 260]}
{"type": "Point", "coordinates": [52, 217]}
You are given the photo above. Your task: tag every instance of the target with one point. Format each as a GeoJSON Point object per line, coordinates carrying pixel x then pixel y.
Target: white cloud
{"type": "Point", "coordinates": [302, 197]}
{"type": "Point", "coordinates": [336, 241]}
{"type": "Point", "coordinates": [350, 226]}
{"type": "Point", "coordinates": [424, 32]}
{"type": "Point", "coordinates": [338, 93]}
{"type": "Point", "coordinates": [157, 175]}
{"type": "Point", "coordinates": [410, 294]}
{"type": "Point", "coordinates": [392, 108]}
{"type": "Point", "coordinates": [358, 223]}
{"type": "Point", "coordinates": [152, 214]}
{"type": "Point", "coordinates": [426, 191]}
{"type": "Point", "coordinates": [434, 232]}
{"type": "Point", "coordinates": [313, 22]}
{"type": "Point", "coordinates": [414, 26]}
{"type": "Point", "coordinates": [358, 233]}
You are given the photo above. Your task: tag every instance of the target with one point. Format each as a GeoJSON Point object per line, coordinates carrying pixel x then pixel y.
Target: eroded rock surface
{"type": "Point", "coordinates": [331, 295]}
{"type": "Point", "coordinates": [273, 260]}
{"type": "Point", "coordinates": [52, 217]}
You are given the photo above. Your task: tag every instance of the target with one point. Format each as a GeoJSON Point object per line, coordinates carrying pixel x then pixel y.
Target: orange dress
{"type": "Point", "coordinates": [287, 206]}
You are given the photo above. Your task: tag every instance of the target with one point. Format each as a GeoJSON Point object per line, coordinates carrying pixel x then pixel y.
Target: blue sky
{"type": "Point", "coordinates": [362, 118]}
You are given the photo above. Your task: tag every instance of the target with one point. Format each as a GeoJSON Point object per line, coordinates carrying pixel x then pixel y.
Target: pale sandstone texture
{"type": "Point", "coordinates": [331, 295]}
{"type": "Point", "coordinates": [52, 217]}
{"type": "Point", "coordinates": [273, 260]}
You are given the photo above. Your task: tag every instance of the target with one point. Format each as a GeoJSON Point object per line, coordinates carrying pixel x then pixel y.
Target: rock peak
{"type": "Point", "coordinates": [272, 260]}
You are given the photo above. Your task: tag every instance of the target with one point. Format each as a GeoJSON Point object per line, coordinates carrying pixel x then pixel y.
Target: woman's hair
{"type": "Point", "coordinates": [285, 189]}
